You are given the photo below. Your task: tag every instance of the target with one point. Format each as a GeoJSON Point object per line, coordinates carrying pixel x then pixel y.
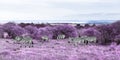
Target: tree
{"type": "Point", "coordinates": [17, 31]}
{"type": "Point", "coordinates": [67, 30]}
{"type": "Point", "coordinates": [91, 32]}
{"type": "Point", "coordinates": [117, 39]}
{"type": "Point", "coordinates": [1, 32]}
{"type": "Point", "coordinates": [106, 33]}
{"type": "Point", "coordinates": [7, 27]}
{"type": "Point", "coordinates": [31, 30]}
{"type": "Point", "coordinates": [45, 31]}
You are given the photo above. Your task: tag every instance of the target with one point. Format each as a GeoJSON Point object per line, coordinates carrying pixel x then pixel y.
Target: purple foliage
{"type": "Point", "coordinates": [67, 30]}
{"type": "Point", "coordinates": [17, 31]}
{"type": "Point", "coordinates": [116, 27]}
{"type": "Point", "coordinates": [78, 26]}
{"type": "Point", "coordinates": [117, 39]}
{"type": "Point", "coordinates": [91, 32]}
{"type": "Point", "coordinates": [60, 51]}
{"type": "Point", "coordinates": [106, 33]}
{"type": "Point", "coordinates": [22, 24]}
{"type": "Point", "coordinates": [32, 24]}
{"type": "Point", "coordinates": [86, 26]}
{"type": "Point", "coordinates": [8, 26]}
{"type": "Point", "coordinates": [31, 30]}
{"type": "Point", "coordinates": [1, 32]}
{"type": "Point", "coordinates": [46, 31]}
{"type": "Point", "coordinates": [93, 25]}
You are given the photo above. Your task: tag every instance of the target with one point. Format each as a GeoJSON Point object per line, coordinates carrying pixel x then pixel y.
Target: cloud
{"type": "Point", "coordinates": [54, 9]}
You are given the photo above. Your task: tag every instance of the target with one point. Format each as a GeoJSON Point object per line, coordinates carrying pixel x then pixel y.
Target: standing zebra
{"type": "Point", "coordinates": [82, 40]}
{"type": "Point", "coordinates": [61, 36]}
{"type": "Point", "coordinates": [24, 41]}
{"type": "Point", "coordinates": [76, 41]}
{"type": "Point", "coordinates": [91, 39]}
{"type": "Point", "coordinates": [44, 38]}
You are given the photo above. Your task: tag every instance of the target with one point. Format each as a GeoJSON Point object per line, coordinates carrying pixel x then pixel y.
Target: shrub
{"type": "Point", "coordinates": [117, 39]}
{"type": "Point", "coordinates": [86, 26]}
{"type": "Point", "coordinates": [22, 24]}
{"type": "Point", "coordinates": [1, 32]}
{"type": "Point", "coordinates": [116, 28]}
{"type": "Point", "coordinates": [17, 31]}
{"type": "Point", "coordinates": [46, 31]}
{"type": "Point", "coordinates": [8, 26]}
{"type": "Point", "coordinates": [49, 31]}
{"type": "Point", "coordinates": [31, 30]}
{"type": "Point", "coordinates": [78, 26]}
{"type": "Point", "coordinates": [91, 32]}
{"type": "Point", "coordinates": [67, 30]}
{"type": "Point", "coordinates": [106, 33]}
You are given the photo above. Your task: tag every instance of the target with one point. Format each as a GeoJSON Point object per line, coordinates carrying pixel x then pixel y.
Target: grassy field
{"type": "Point", "coordinates": [57, 50]}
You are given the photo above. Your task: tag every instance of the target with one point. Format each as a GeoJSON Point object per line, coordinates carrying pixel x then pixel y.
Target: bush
{"type": "Point", "coordinates": [31, 30]}
{"type": "Point", "coordinates": [86, 26]}
{"type": "Point", "coordinates": [46, 31]}
{"type": "Point", "coordinates": [91, 32]}
{"type": "Point", "coordinates": [116, 28]}
{"type": "Point", "coordinates": [67, 30]}
{"type": "Point", "coordinates": [8, 26]}
{"type": "Point", "coordinates": [106, 33]}
{"type": "Point", "coordinates": [1, 32]}
{"type": "Point", "coordinates": [117, 39]}
{"type": "Point", "coordinates": [17, 31]}
{"type": "Point", "coordinates": [78, 26]}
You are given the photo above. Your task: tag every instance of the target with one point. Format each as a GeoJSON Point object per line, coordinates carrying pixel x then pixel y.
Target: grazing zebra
{"type": "Point", "coordinates": [44, 38]}
{"type": "Point", "coordinates": [82, 40]}
{"type": "Point", "coordinates": [17, 39]}
{"type": "Point", "coordinates": [27, 40]}
{"type": "Point", "coordinates": [61, 36]}
{"type": "Point", "coordinates": [76, 41]}
{"type": "Point", "coordinates": [91, 39]}
{"type": "Point", "coordinates": [24, 41]}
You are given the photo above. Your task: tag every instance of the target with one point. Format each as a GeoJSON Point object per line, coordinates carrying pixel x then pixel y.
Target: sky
{"type": "Point", "coordinates": [60, 10]}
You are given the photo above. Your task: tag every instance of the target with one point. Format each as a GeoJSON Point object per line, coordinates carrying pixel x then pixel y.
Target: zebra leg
{"type": "Point", "coordinates": [86, 42]}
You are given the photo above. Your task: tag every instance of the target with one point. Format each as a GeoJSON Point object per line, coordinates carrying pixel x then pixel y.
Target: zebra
{"type": "Point", "coordinates": [76, 41]}
{"type": "Point", "coordinates": [61, 36]}
{"type": "Point", "coordinates": [27, 40]}
{"type": "Point", "coordinates": [17, 39]}
{"type": "Point", "coordinates": [24, 41]}
{"type": "Point", "coordinates": [82, 40]}
{"type": "Point", "coordinates": [91, 39]}
{"type": "Point", "coordinates": [44, 38]}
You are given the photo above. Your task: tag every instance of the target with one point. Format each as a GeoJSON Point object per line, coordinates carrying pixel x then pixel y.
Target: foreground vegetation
{"type": "Point", "coordinates": [57, 50]}
{"type": "Point", "coordinates": [59, 42]}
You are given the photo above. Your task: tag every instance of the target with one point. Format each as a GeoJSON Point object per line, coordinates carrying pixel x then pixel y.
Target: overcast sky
{"type": "Point", "coordinates": [59, 10]}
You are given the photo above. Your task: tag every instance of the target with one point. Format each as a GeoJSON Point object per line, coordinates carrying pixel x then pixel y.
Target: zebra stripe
{"type": "Point", "coordinates": [82, 40]}
{"type": "Point", "coordinates": [24, 41]}
{"type": "Point", "coordinates": [60, 36]}
{"type": "Point", "coordinates": [44, 38]}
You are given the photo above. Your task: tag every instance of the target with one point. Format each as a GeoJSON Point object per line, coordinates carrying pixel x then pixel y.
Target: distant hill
{"type": "Point", "coordinates": [100, 21]}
